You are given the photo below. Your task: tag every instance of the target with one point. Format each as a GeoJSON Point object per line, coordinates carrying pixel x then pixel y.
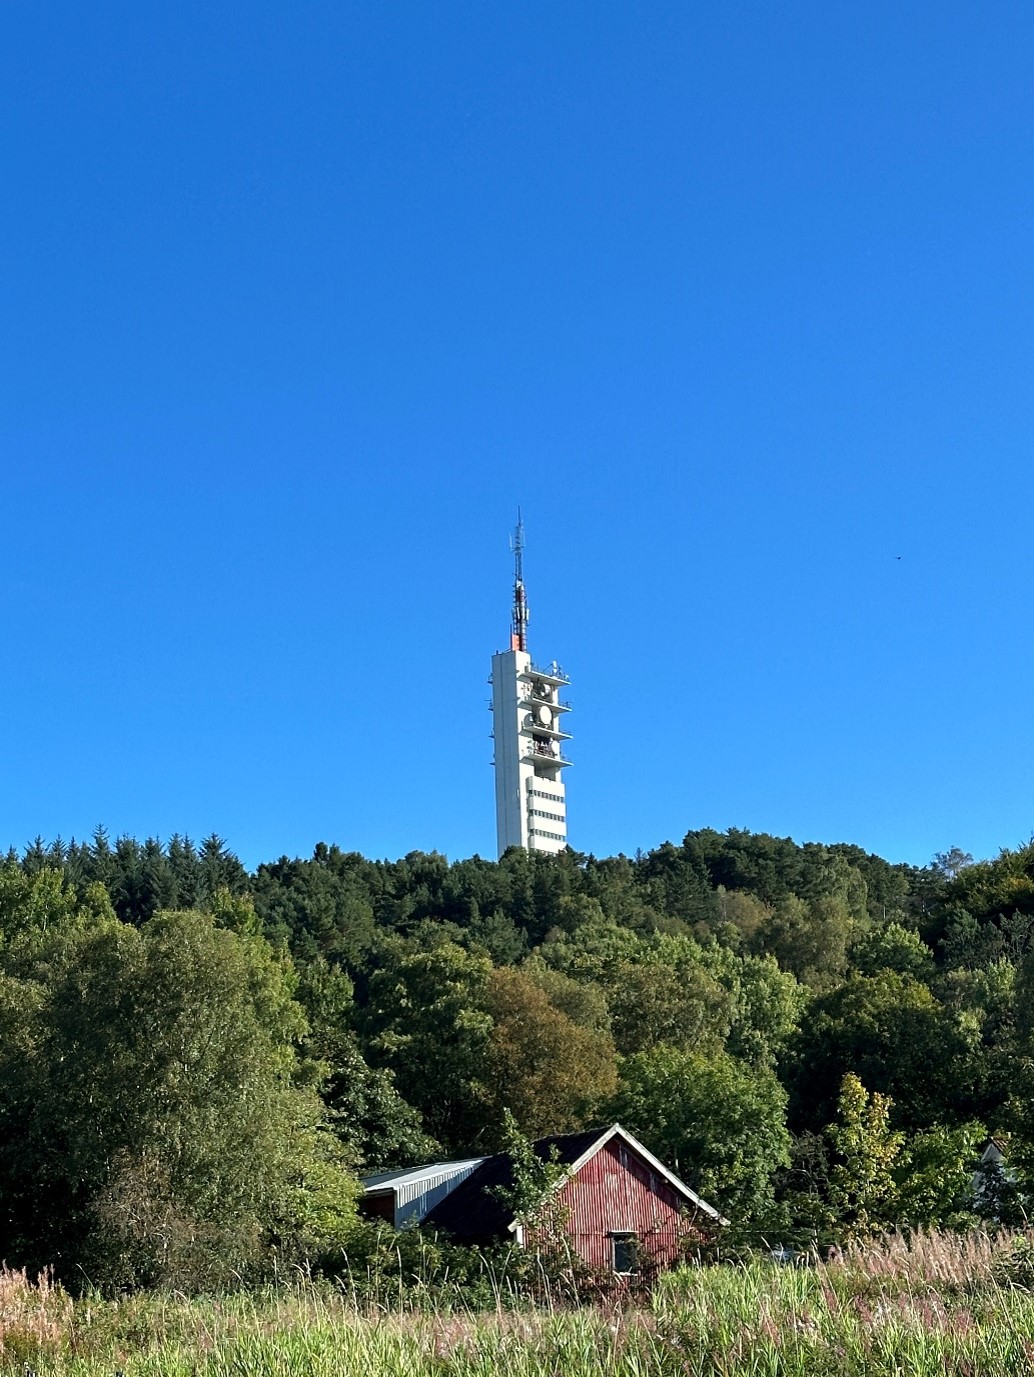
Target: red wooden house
{"type": "Point", "coordinates": [621, 1208]}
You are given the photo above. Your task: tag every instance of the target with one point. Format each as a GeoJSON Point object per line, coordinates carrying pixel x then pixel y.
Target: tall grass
{"type": "Point", "coordinates": [932, 1306]}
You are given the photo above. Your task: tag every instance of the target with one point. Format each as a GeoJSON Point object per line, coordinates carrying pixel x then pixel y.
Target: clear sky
{"type": "Point", "coordinates": [299, 301]}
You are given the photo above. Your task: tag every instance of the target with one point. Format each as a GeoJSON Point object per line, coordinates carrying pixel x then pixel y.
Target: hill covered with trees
{"type": "Point", "coordinates": [196, 1063]}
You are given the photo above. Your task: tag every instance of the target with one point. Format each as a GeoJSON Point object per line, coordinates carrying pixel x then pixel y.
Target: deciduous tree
{"type": "Point", "coordinates": [153, 1128]}
{"type": "Point", "coordinates": [863, 1188]}
{"type": "Point", "coordinates": [721, 1124]}
{"type": "Point", "coordinates": [551, 1071]}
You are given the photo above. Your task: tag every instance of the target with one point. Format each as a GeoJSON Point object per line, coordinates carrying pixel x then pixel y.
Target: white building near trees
{"type": "Point", "coordinates": [527, 712]}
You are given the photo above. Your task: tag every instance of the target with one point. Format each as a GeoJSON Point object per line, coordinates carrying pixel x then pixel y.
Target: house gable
{"type": "Point", "coordinates": [618, 1138]}
{"type": "Point", "coordinates": [619, 1207]}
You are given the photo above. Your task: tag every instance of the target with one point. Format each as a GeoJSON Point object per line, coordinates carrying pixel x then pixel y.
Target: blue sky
{"type": "Point", "coordinates": [300, 301]}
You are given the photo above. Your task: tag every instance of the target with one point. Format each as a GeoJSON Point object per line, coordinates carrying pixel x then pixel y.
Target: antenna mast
{"type": "Point", "coordinates": [519, 625]}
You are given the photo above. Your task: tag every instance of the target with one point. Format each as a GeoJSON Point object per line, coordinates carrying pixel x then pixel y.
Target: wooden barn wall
{"type": "Point", "coordinates": [615, 1191]}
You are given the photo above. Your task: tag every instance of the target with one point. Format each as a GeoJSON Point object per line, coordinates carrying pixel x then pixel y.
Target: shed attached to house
{"type": "Point", "coordinates": [400, 1197]}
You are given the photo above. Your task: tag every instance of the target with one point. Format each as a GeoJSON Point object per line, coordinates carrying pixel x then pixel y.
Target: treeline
{"type": "Point", "coordinates": [196, 1063]}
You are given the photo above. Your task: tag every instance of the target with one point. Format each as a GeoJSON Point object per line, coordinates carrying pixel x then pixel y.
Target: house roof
{"type": "Point", "coordinates": [387, 1180]}
{"type": "Point", "coordinates": [472, 1211]}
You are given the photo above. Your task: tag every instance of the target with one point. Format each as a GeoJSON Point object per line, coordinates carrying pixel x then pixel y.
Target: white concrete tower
{"type": "Point", "coordinates": [530, 809]}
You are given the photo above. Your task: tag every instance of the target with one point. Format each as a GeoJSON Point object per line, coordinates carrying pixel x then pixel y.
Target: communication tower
{"type": "Point", "coordinates": [527, 711]}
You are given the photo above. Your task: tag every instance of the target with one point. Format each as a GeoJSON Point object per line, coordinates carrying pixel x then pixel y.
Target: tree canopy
{"type": "Point", "coordinates": [196, 1062]}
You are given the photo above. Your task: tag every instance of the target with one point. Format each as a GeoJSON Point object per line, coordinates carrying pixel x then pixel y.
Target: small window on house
{"type": "Point", "coordinates": [626, 1251]}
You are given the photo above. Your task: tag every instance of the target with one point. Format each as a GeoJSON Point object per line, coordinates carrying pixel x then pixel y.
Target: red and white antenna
{"type": "Point", "coordinates": [519, 625]}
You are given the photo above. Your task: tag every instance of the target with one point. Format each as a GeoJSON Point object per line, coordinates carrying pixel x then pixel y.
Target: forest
{"type": "Point", "coordinates": [197, 1063]}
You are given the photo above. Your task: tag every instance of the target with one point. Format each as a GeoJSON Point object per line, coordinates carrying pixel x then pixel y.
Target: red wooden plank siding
{"type": "Point", "coordinates": [615, 1192]}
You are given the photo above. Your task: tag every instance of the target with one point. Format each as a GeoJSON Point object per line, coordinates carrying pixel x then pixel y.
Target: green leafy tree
{"type": "Point", "coordinates": [1010, 1189]}
{"type": "Point", "coordinates": [764, 1002]}
{"type": "Point", "coordinates": [320, 907]}
{"type": "Point", "coordinates": [552, 1070]}
{"type": "Point", "coordinates": [534, 1180]}
{"type": "Point", "coordinates": [952, 863]}
{"type": "Point", "coordinates": [804, 1214]}
{"type": "Point", "coordinates": [863, 1189]}
{"type": "Point", "coordinates": [584, 1003]}
{"type": "Point", "coordinates": [810, 937]}
{"type": "Point", "coordinates": [719, 1123]}
{"type": "Point", "coordinates": [153, 1126]}
{"type": "Point", "coordinates": [745, 919]}
{"type": "Point", "coordinates": [992, 893]}
{"type": "Point", "coordinates": [889, 889]}
{"type": "Point", "coordinates": [653, 1003]}
{"type": "Point", "coordinates": [33, 901]}
{"type": "Point", "coordinates": [426, 1019]}
{"type": "Point", "coordinates": [896, 1036]}
{"type": "Point", "coordinates": [892, 947]}
{"type": "Point", "coordinates": [372, 1121]}
{"type": "Point", "coordinates": [591, 952]}
{"type": "Point", "coordinates": [933, 1177]}
{"type": "Point", "coordinates": [676, 882]}
{"type": "Point", "coordinates": [984, 1001]}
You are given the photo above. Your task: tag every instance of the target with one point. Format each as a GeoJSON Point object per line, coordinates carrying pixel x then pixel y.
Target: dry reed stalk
{"type": "Point", "coordinates": [924, 1258]}
{"type": "Point", "coordinates": [35, 1316]}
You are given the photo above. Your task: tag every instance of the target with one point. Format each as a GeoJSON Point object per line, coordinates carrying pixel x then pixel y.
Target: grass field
{"type": "Point", "coordinates": [939, 1306]}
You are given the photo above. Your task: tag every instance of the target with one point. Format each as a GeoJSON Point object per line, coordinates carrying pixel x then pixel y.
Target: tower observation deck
{"type": "Point", "coordinates": [527, 726]}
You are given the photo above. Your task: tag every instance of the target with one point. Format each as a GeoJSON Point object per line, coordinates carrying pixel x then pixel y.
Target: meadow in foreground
{"type": "Point", "coordinates": [937, 1305]}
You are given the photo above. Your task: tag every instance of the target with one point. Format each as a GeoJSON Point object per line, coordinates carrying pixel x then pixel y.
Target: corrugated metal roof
{"type": "Point", "coordinates": [382, 1179]}
{"type": "Point", "coordinates": [415, 1192]}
